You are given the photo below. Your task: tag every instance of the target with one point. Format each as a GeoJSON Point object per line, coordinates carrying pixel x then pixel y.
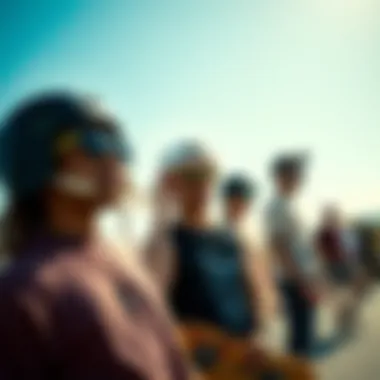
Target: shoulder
{"type": "Point", "coordinates": [160, 239]}
{"type": "Point", "coordinates": [160, 236]}
{"type": "Point", "coordinates": [131, 271]}
{"type": "Point", "coordinates": [248, 240]}
{"type": "Point", "coordinates": [15, 315]}
{"type": "Point", "coordinates": [126, 266]}
{"type": "Point", "coordinates": [247, 244]}
{"type": "Point", "coordinates": [33, 283]}
{"type": "Point", "coordinates": [124, 259]}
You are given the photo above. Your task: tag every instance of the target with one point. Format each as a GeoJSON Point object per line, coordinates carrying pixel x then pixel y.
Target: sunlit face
{"type": "Point", "coordinates": [102, 179]}
{"type": "Point", "coordinates": [92, 171]}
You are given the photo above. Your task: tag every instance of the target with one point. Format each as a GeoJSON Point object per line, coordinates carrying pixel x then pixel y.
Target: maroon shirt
{"type": "Point", "coordinates": [329, 245]}
{"type": "Point", "coordinates": [75, 311]}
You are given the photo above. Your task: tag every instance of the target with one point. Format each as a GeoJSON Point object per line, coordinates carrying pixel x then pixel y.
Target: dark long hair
{"type": "Point", "coordinates": [23, 218]}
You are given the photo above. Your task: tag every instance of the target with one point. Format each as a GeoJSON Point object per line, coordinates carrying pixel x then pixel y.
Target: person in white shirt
{"type": "Point", "coordinates": [295, 261]}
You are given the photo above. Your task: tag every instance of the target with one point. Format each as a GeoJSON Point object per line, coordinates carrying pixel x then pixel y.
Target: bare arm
{"type": "Point", "coordinates": [158, 254]}
{"type": "Point", "coordinates": [263, 290]}
{"type": "Point", "coordinates": [159, 259]}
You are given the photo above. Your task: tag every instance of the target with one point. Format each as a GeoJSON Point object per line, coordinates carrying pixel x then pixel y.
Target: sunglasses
{"type": "Point", "coordinates": [95, 143]}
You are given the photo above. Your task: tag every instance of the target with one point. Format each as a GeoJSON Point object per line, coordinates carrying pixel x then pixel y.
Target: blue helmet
{"type": "Point", "coordinates": [28, 135]}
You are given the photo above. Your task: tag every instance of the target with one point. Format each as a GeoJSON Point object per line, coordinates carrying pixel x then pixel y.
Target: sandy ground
{"type": "Point", "coordinates": [359, 359]}
{"type": "Point", "coordinates": [356, 359]}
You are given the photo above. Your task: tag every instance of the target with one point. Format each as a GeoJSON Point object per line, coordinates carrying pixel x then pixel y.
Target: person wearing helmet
{"type": "Point", "coordinates": [71, 306]}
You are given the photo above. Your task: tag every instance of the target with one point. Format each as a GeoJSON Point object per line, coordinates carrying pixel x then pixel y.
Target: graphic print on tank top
{"type": "Point", "coordinates": [223, 279]}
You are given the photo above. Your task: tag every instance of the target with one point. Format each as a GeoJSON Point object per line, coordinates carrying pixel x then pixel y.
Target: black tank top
{"type": "Point", "coordinates": [210, 285]}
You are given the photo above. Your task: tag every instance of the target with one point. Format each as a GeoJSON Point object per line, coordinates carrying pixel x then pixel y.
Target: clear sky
{"type": "Point", "coordinates": [249, 77]}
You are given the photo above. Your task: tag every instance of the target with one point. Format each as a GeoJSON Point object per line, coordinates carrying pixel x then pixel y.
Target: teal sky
{"type": "Point", "coordinates": [247, 76]}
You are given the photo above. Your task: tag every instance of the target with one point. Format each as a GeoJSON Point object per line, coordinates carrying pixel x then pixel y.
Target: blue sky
{"type": "Point", "coordinates": [249, 77]}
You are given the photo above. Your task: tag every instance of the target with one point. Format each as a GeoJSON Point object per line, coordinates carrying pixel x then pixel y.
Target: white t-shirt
{"type": "Point", "coordinates": [283, 220]}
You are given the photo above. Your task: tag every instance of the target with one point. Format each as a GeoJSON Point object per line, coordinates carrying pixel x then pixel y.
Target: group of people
{"type": "Point", "coordinates": [73, 306]}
